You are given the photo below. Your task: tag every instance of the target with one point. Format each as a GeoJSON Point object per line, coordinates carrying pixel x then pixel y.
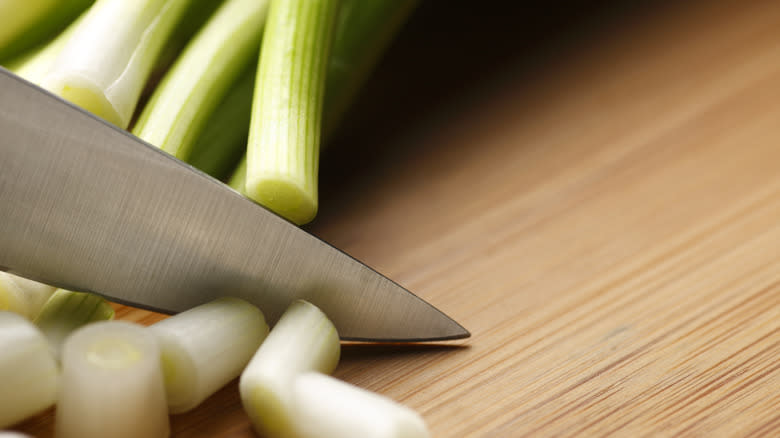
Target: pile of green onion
{"type": "Point", "coordinates": [127, 378]}
{"type": "Point", "coordinates": [244, 90]}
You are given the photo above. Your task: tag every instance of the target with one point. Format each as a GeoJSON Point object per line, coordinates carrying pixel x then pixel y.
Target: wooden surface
{"type": "Point", "coordinates": [602, 211]}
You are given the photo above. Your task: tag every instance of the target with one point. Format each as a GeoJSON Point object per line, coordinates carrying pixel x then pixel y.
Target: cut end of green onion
{"type": "Point", "coordinates": [28, 372]}
{"type": "Point", "coordinates": [206, 347]}
{"type": "Point", "coordinates": [269, 410]}
{"type": "Point", "coordinates": [329, 408]}
{"type": "Point", "coordinates": [284, 196]}
{"type": "Point", "coordinates": [86, 95]}
{"type": "Point", "coordinates": [303, 340]}
{"type": "Point", "coordinates": [113, 354]}
{"type": "Point", "coordinates": [111, 381]}
{"type": "Point", "coordinates": [105, 64]}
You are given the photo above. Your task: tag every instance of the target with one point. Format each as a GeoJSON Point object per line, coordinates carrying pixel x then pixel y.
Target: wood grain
{"type": "Point", "coordinates": [603, 215]}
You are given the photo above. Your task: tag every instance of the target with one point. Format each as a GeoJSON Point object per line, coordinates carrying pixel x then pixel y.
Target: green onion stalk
{"type": "Point", "coordinates": [284, 132]}
{"type": "Point", "coordinates": [364, 29]}
{"type": "Point", "coordinates": [200, 78]}
{"type": "Point", "coordinates": [106, 62]}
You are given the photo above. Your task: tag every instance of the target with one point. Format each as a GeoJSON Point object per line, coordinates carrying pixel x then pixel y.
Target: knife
{"type": "Point", "coordinates": [86, 206]}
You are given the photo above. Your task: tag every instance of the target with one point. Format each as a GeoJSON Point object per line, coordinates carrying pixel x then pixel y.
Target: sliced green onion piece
{"type": "Point", "coordinates": [106, 62]}
{"type": "Point", "coordinates": [23, 296]}
{"type": "Point", "coordinates": [112, 384]}
{"type": "Point", "coordinates": [34, 64]}
{"type": "Point", "coordinates": [303, 340]}
{"type": "Point", "coordinates": [66, 311]}
{"type": "Point", "coordinates": [28, 372]}
{"type": "Point", "coordinates": [284, 135]}
{"type": "Point", "coordinates": [222, 142]}
{"type": "Point", "coordinates": [201, 76]}
{"type": "Point", "coordinates": [206, 347]}
{"type": "Point", "coordinates": [326, 407]}
{"type": "Point", "coordinates": [27, 23]}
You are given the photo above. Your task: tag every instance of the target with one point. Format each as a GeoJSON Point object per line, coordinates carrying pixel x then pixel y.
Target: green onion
{"type": "Point", "coordinates": [206, 347]}
{"type": "Point", "coordinates": [104, 65]}
{"type": "Point", "coordinates": [191, 21]}
{"type": "Point", "coordinates": [66, 311]}
{"type": "Point", "coordinates": [28, 372]}
{"type": "Point", "coordinates": [112, 384]}
{"type": "Point", "coordinates": [364, 30]}
{"type": "Point", "coordinates": [222, 142]}
{"type": "Point", "coordinates": [201, 76]}
{"type": "Point", "coordinates": [27, 23]}
{"type": "Point", "coordinates": [303, 340]}
{"type": "Point", "coordinates": [23, 296]}
{"type": "Point", "coordinates": [284, 135]}
{"type": "Point", "coordinates": [326, 407]}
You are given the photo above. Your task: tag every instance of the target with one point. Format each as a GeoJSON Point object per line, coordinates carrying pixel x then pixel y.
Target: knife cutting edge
{"type": "Point", "coordinates": [90, 207]}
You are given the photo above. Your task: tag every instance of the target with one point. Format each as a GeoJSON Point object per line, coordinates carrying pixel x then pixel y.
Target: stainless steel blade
{"type": "Point", "coordinates": [86, 206]}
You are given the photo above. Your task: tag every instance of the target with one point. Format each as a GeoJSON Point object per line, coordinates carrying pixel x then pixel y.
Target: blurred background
{"type": "Point", "coordinates": [456, 52]}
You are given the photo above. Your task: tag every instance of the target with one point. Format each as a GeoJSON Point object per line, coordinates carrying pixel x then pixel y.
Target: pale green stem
{"type": "Point", "coordinates": [106, 62]}
{"type": "Point", "coordinates": [326, 407]}
{"type": "Point", "coordinates": [192, 20]}
{"type": "Point", "coordinates": [284, 135]}
{"type": "Point", "coordinates": [364, 30]}
{"type": "Point", "coordinates": [201, 76]}
{"type": "Point", "coordinates": [206, 347]}
{"type": "Point", "coordinates": [303, 340]}
{"type": "Point", "coordinates": [222, 142]}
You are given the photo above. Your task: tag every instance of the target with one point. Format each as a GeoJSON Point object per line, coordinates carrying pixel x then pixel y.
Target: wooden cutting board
{"type": "Point", "coordinates": [594, 193]}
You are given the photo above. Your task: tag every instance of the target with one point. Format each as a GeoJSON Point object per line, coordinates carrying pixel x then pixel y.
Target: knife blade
{"type": "Point", "coordinates": [89, 207]}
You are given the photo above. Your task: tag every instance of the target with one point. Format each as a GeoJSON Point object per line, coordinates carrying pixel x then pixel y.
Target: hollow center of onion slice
{"type": "Point", "coordinates": [113, 353]}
